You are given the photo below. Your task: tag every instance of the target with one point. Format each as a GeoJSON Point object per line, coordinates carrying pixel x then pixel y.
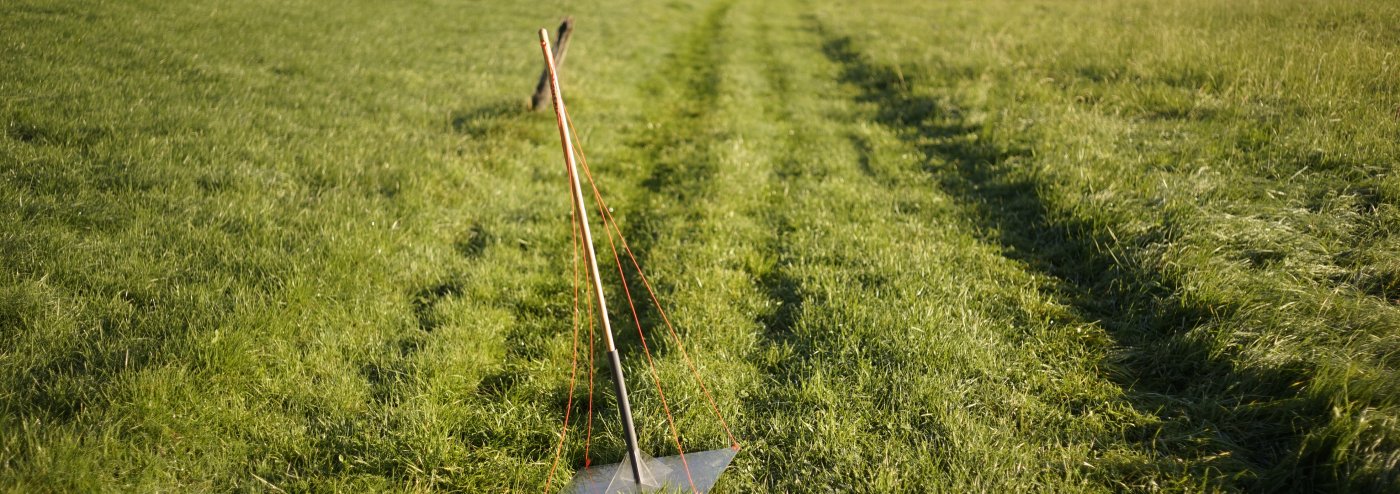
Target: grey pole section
{"type": "Point", "coordinates": [626, 408]}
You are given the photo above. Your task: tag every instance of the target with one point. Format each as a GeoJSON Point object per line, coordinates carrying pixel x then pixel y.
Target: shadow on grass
{"type": "Point", "coordinates": [482, 120]}
{"type": "Point", "coordinates": [1237, 427]}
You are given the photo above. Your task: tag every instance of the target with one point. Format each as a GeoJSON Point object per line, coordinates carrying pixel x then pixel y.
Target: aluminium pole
{"type": "Point", "coordinates": [630, 432]}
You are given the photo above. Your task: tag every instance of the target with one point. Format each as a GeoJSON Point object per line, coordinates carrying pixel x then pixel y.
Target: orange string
{"type": "Point", "coordinates": [573, 371]}
{"type": "Point", "coordinates": [608, 220]}
{"type": "Point", "coordinates": [651, 365]}
{"type": "Point", "coordinates": [655, 377]}
{"type": "Point", "coordinates": [610, 227]}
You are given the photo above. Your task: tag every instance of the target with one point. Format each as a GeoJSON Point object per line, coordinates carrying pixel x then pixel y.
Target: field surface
{"type": "Point", "coordinates": [957, 246]}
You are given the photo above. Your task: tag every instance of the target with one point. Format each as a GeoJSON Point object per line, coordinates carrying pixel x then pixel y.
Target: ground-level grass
{"type": "Point", "coordinates": [990, 246]}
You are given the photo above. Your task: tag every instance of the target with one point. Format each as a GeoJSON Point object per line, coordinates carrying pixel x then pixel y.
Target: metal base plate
{"type": "Point", "coordinates": [665, 474]}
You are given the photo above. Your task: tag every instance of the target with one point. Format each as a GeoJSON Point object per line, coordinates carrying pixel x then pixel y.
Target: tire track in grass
{"type": "Point", "coordinates": [784, 352]}
{"type": "Point", "coordinates": [834, 411]}
{"type": "Point", "coordinates": [677, 152]}
{"type": "Point", "coordinates": [845, 403]}
{"type": "Point", "coordinates": [890, 357]}
{"type": "Point", "coordinates": [790, 348]}
{"type": "Point", "coordinates": [1231, 426]}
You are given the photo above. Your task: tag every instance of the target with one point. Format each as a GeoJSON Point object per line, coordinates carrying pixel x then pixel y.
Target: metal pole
{"type": "Point", "coordinates": [626, 408]}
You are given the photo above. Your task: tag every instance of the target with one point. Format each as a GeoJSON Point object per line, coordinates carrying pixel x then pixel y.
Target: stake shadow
{"type": "Point", "coordinates": [490, 119]}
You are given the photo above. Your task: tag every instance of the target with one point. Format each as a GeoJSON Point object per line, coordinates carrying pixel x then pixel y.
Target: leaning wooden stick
{"type": "Point", "coordinates": [638, 472]}
{"type": "Point", "coordinates": [624, 407]}
{"type": "Point", "coordinates": [561, 47]}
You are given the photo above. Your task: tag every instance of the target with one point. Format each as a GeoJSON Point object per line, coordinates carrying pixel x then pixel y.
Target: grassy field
{"type": "Point", "coordinates": [998, 246]}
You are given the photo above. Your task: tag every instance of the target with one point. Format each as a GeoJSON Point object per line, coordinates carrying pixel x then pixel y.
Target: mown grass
{"type": "Point", "coordinates": [1223, 206]}
{"type": "Point", "coordinates": [960, 246]}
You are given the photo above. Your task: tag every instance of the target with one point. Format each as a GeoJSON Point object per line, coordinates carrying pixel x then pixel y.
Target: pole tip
{"type": "Point", "coordinates": [544, 34]}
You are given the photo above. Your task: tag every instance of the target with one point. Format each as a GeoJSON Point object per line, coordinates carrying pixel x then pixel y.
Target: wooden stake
{"type": "Point", "coordinates": [561, 46]}
{"type": "Point", "coordinates": [620, 385]}
{"type": "Point", "coordinates": [576, 188]}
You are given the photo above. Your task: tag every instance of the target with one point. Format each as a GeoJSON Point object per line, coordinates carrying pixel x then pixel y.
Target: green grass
{"type": "Point", "coordinates": [959, 246]}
